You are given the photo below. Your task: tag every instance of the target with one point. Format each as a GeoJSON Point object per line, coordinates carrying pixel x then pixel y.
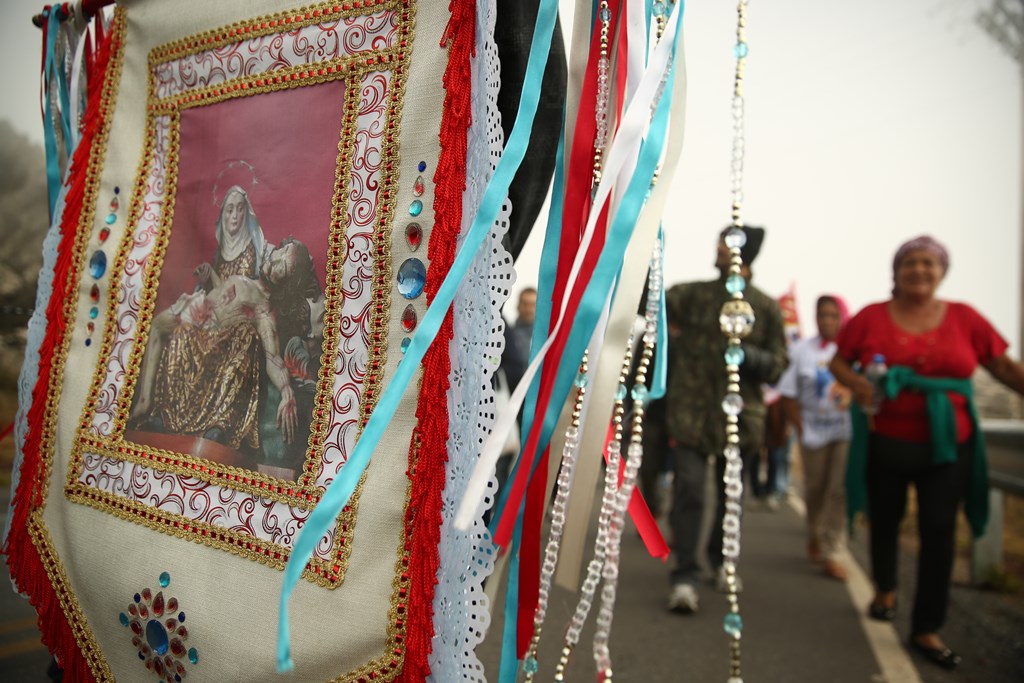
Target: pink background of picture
{"type": "Point", "coordinates": [290, 138]}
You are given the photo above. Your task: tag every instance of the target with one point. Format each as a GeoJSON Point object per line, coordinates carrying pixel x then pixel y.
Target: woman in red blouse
{"type": "Point", "coordinates": [932, 348]}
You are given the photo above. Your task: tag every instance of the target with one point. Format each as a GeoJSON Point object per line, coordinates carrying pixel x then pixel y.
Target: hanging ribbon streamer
{"type": "Point", "coordinates": [340, 491]}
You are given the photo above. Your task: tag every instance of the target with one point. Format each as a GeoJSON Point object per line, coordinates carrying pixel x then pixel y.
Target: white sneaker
{"type": "Point", "coordinates": [722, 581]}
{"type": "Point", "coordinates": [683, 599]}
{"type": "Point", "coordinates": [772, 503]}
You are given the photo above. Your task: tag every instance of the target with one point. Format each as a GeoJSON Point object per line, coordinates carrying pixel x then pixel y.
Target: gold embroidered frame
{"type": "Point", "coordinates": [303, 494]}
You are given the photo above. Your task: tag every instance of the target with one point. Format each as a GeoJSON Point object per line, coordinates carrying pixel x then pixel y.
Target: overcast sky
{"type": "Point", "coordinates": [867, 123]}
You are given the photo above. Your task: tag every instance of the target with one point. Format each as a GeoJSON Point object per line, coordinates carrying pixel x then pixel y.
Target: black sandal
{"type": "Point", "coordinates": [882, 612]}
{"type": "Point", "coordinates": [942, 656]}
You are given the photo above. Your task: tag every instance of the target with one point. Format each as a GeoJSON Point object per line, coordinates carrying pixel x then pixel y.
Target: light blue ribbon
{"type": "Point", "coordinates": [659, 383]}
{"type": "Point", "coordinates": [49, 134]}
{"type": "Point", "coordinates": [337, 495]}
{"type": "Point", "coordinates": [509, 669]}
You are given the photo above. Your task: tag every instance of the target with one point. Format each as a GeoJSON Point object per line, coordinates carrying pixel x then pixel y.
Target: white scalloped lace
{"type": "Point", "coordinates": [461, 610]}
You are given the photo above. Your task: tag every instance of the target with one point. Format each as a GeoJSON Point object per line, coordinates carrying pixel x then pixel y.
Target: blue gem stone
{"type": "Point", "coordinates": [581, 380]}
{"type": "Point", "coordinates": [165, 580]}
{"type": "Point", "coordinates": [111, 218]}
{"type": "Point", "coordinates": [733, 624]}
{"type": "Point", "coordinates": [142, 656]}
{"type": "Point", "coordinates": [416, 208]}
{"type": "Point", "coordinates": [660, 9]}
{"type": "Point", "coordinates": [639, 393]}
{"type": "Point", "coordinates": [138, 598]}
{"type": "Point", "coordinates": [422, 166]}
{"type": "Point", "coordinates": [531, 665]}
{"type": "Point", "coordinates": [620, 393]}
{"type": "Point", "coordinates": [177, 678]}
{"type": "Point", "coordinates": [156, 637]}
{"type": "Point", "coordinates": [405, 344]}
{"type": "Point", "coordinates": [117, 190]}
{"type": "Point", "coordinates": [734, 355]}
{"type": "Point", "coordinates": [412, 276]}
{"type": "Point", "coordinates": [93, 312]}
{"type": "Point", "coordinates": [98, 265]}
{"type": "Point", "coordinates": [193, 656]}
{"type": "Point", "coordinates": [123, 618]}
{"type": "Point", "coordinates": [605, 14]}
{"type": "Point", "coordinates": [88, 342]}
{"type": "Point", "coordinates": [741, 50]}
{"type": "Point", "coordinates": [735, 283]}
{"type": "Point", "coordinates": [181, 617]}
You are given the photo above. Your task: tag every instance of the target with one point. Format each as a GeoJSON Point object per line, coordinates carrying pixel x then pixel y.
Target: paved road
{"type": "Point", "coordinates": [799, 627]}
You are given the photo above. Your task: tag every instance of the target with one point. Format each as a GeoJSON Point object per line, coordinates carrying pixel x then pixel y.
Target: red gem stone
{"type": "Point", "coordinates": [414, 235]}
{"type": "Point", "coordinates": [418, 186]}
{"type": "Point", "coordinates": [177, 648]}
{"type": "Point", "coordinates": [158, 605]}
{"type": "Point", "coordinates": [94, 293]}
{"type": "Point", "coordinates": [171, 624]}
{"type": "Point", "coordinates": [114, 204]}
{"type": "Point", "coordinates": [183, 632]}
{"type": "Point", "coordinates": [172, 605]}
{"type": "Point", "coordinates": [104, 234]}
{"type": "Point", "coordinates": [133, 610]}
{"type": "Point", "coordinates": [90, 328]}
{"type": "Point", "coordinates": [136, 627]}
{"type": "Point", "coordinates": [147, 594]}
{"type": "Point", "coordinates": [143, 611]}
{"type": "Point", "coordinates": [409, 319]}
{"type": "Point", "coordinates": [136, 641]}
{"type": "Point", "coordinates": [159, 666]}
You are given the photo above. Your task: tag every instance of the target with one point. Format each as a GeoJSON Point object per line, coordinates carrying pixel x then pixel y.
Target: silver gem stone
{"type": "Point", "coordinates": [736, 318]}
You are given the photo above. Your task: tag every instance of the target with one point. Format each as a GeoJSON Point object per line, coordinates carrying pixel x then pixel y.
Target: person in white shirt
{"type": "Point", "coordinates": [816, 405]}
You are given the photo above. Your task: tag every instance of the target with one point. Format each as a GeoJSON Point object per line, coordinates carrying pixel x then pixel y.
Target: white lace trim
{"type": "Point", "coordinates": [461, 609]}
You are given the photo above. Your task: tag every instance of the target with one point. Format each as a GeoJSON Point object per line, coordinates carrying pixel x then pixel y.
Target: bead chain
{"type": "Point", "coordinates": [604, 15]}
{"type": "Point", "coordinates": [611, 478]}
{"type": "Point", "coordinates": [737, 320]}
{"type": "Point", "coordinates": [565, 475]}
{"type": "Point", "coordinates": [634, 456]}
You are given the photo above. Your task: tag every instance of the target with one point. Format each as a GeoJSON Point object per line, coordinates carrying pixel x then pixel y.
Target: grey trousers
{"type": "Point", "coordinates": [825, 495]}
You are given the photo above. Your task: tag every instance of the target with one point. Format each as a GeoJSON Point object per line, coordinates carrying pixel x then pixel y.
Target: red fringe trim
{"type": "Point", "coordinates": [427, 461]}
{"type": "Point", "coordinates": [23, 557]}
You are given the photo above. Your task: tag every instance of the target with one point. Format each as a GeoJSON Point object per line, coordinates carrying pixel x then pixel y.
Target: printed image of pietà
{"type": "Point", "coordinates": [230, 362]}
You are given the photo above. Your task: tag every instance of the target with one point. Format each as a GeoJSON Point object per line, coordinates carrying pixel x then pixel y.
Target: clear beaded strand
{"type": "Point", "coordinates": [570, 451]}
{"type": "Point", "coordinates": [596, 564]}
{"type": "Point", "coordinates": [634, 457]}
{"type": "Point", "coordinates": [737, 321]}
{"type": "Point", "coordinates": [604, 16]}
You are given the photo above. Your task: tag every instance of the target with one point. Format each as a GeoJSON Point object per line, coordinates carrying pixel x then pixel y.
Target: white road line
{"type": "Point", "coordinates": [885, 642]}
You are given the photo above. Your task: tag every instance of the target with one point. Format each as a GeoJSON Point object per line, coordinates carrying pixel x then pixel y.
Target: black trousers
{"type": "Point", "coordinates": [894, 464]}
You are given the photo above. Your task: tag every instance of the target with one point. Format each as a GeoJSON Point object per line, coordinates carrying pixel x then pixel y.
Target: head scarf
{"type": "Point", "coordinates": [844, 311]}
{"type": "Point", "coordinates": [231, 247]}
{"type": "Point", "coordinates": [922, 243]}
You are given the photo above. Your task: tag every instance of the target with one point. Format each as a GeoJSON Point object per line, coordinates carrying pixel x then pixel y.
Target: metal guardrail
{"type": "Point", "coordinates": [1004, 441]}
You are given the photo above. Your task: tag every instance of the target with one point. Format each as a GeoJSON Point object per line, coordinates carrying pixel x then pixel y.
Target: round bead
{"type": "Point", "coordinates": [734, 355]}
{"type": "Point", "coordinates": [735, 238]}
{"type": "Point", "coordinates": [735, 283]}
{"type": "Point", "coordinates": [581, 380]}
{"type": "Point", "coordinates": [736, 318]}
{"type": "Point", "coordinates": [640, 393]}
{"type": "Point", "coordinates": [605, 14]}
{"type": "Point", "coordinates": [531, 665]}
{"type": "Point", "coordinates": [732, 404]}
{"type": "Point", "coordinates": [741, 50]}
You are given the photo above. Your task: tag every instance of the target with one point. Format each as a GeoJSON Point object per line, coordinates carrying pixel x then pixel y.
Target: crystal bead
{"type": "Point", "coordinates": [104, 234]}
{"type": "Point", "coordinates": [732, 404]}
{"type": "Point", "coordinates": [156, 637]}
{"type": "Point", "coordinates": [418, 187]}
{"type": "Point", "coordinates": [193, 655]}
{"type": "Point", "coordinates": [734, 355]}
{"type": "Point", "coordinates": [735, 283]}
{"type": "Point", "coordinates": [581, 380]}
{"type": "Point", "coordinates": [409, 318]}
{"type": "Point", "coordinates": [412, 276]}
{"type": "Point", "coordinates": [416, 208]}
{"type": "Point", "coordinates": [111, 218]}
{"type": "Point", "coordinates": [735, 238]}
{"type": "Point", "coordinates": [620, 393]}
{"type": "Point", "coordinates": [640, 393]}
{"type": "Point", "coordinates": [605, 14]}
{"type": "Point", "coordinates": [531, 665]}
{"type": "Point", "coordinates": [741, 50]}
{"type": "Point", "coordinates": [165, 580]}
{"type": "Point", "coordinates": [736, 318]}
{"type": "Point", "coordinates": [98, 265]}
{"type": "Point", "coordinates": [422, 166]}
{"type": "Point", "coordinates": [660, 9]}
{"type": "Point", "coordinates": [123, 618]}
{"type": "Point", "coordinates": [405, 344]}
{"type": "Point", "coordinates": [414, 235]}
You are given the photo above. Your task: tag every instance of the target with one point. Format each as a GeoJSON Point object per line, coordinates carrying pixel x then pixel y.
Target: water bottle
{"type": "Point", "coordinates": [875, 373]}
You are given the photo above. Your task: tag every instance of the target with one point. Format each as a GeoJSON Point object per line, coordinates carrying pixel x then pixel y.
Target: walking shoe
{"type": "Point", "coordinates": [772, 504]}
{"type": "Point", "coordinates": [834, 570]}
{"type": "Point", "coordinates": [683, 599]}
{"type": "Point", "coordinates": [722, 581]}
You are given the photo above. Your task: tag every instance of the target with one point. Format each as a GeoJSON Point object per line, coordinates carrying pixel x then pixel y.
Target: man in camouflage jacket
{"type": "Point", "coordinates": [695, 421]}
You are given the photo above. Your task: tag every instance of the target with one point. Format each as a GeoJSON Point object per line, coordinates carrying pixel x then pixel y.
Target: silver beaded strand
{"type": "Point", "coordinates": [737, 321]}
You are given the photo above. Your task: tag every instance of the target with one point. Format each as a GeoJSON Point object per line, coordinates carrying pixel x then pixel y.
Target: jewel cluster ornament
{"type": "Point", "coordinates": [98, 265]}
{"type": "Point", "coordinates": [412, 274]}
{"type": "Point", "coordinates": [157, 624]}
{"type": "Point", "coordinates": [737, 322]}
